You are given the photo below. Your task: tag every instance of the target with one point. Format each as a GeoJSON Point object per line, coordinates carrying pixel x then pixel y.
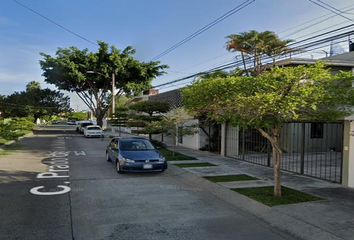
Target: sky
{"type": "Point", "coordinates": [151, 27]}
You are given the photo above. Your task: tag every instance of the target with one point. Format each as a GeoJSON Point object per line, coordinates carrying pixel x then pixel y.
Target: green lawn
{"type": "Point", "coordinates": [177, 157]}
{"type": "Point", "coordinates": [188, 165]}
{"type": "Point", "coordinates": [230, 178]}
{"type": "Point", "coordinates": [265, 195]}
{"type": "Point", "coordinates": [4, 152]}
{"type": "Point", "coordinates": [3, 141]}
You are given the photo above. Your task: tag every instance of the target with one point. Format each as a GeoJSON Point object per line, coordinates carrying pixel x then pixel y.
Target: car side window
{"type": "Point", "coordinates": [111, 144]}
{"type": "Point", "coordinates": [115, 144]}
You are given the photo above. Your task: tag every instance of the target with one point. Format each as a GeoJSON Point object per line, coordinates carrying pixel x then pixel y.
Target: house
{"type": "Point", "coordinates": [322, 150]}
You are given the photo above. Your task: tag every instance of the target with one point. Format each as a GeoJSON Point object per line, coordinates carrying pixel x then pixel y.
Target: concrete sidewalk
{"type": "Point", "coordinates": [332, 218]}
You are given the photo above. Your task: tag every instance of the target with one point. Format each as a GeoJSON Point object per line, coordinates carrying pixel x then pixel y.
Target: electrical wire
{"type": "Point", "coordinates": [331, 10]}
{"type": "Point", "coordinates": [55, 23]}
{"type": "Point", "coordinates": [305, 45]}
{"type": "Point", "coordinates": [206, 27]}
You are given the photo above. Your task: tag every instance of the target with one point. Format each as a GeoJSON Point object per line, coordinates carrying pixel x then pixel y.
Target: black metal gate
{"type": "Point", "coordinates": [312, 149]}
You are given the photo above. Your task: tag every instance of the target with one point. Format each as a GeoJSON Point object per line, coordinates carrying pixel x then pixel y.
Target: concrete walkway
{"type": "Point", "coordinates": [332, 218]}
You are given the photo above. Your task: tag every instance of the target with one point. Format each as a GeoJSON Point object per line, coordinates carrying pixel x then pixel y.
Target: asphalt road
{"type": "Point", "coordinates": [95, 202]}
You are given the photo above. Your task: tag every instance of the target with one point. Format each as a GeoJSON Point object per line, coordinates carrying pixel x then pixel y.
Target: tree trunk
{"type": "Point", "coordinates": [277, 157]}
{"type": "Point", "coordinates": [150, 136]}
{"type": "Point", "coordinates": [174, 145]}
{"type": "Point", "coordinates": [244, 62]}
{"type": "Point", "coordinates": [99, 114]}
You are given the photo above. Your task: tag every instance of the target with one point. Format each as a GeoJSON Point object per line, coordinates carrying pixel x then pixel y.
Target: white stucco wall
{"type": "Point", "coordinates": [351, 156]}
{"type": "Point", "coordinates": [188, 141]}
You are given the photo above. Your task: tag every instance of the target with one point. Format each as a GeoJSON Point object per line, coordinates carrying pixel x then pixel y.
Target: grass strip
{"type": "Point", "coordinates": [3, 141]}
{"type": "Point", "coordinates": [177, 157]}
{"type": "Point", "coordinates": [231, 178]}
{"type": "Point", "coordinates": [188, 165]}
{"type": "Point", "coordinates": [265, 195]}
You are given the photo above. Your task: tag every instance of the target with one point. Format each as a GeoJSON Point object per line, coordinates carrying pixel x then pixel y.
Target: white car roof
{"type": "Point", "coordinates": [91, 126]}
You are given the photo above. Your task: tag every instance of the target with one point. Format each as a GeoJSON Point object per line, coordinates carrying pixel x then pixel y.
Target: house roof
{"type": "Point", "coordinates": [334, 62]}
{"type": "Point", "coordinates": [174, 98]}
{"type": "Point", "coordinates": [349, 56]}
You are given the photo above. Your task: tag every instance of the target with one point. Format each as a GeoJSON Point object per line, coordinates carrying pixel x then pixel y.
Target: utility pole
{"type": "Point", "coordinates": [113, 97]}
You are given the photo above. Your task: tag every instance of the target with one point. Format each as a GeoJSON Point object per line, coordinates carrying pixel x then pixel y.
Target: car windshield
{"type": "Point", "coordinates": [86, 124]}
{"type": "Point", "coordinates": [93, 128]}
{"type": "Point", "coordinates": [135, 145]}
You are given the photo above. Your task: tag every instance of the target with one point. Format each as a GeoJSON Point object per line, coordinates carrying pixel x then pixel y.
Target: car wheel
{"type": "Point", "coordinates": [119, 170]}
{"type": "Point", "coordinates": [107, 157]}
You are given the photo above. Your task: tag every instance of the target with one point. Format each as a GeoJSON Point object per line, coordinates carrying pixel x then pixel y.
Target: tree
{"type": "Point", "coordinates": [70, 70]}
{"type": "Point", "coordinates": [148, 112]}
{"type": "Point", "coordinates": [33, 85]}
{"type": "Point", "coordinates": [79, 115]}
{"type": "Point", "coordinates": [175, 124]}
{"type": "Point", "coordinates": [275, 97]}
{"type": "Point", "coordinates": [256, 44]}
{"type": "Point", "coordinates": [35, 102]}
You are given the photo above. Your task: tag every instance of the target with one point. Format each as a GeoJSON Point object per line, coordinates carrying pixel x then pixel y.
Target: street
{"type": "Point", "coordinates": [58, 185]}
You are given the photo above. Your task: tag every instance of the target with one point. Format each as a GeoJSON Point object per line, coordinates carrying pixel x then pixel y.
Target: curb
{"type": "Point", "coordinates": [267, 216]}
{"type": "Point", "coordinates": [13, 141]}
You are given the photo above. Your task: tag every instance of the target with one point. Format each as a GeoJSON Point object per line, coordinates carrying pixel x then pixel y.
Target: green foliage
{"type": "Point", "coordinates": [89, 74]}
{"type": "Point", "coordinates": [268, 100]}
{"type": "Point", "coordinates": [265, 196]}
{"type": "Point", "coordinates": [257, 44]}
{"type": "Point", "coordinates": [15, 128]}
{"type": "Point", "coordinates": [175, 156]}
{"type": "Point", "coordinates": [157, 143]}
{"type": "Point", "coordinates": [34, 102]}
{"type": "Point", "coordinates": [144, 118]}
{"type": "Point", "coordinates": [278, 96]}
{"type": "Point", "coordinates": [120, 117]}
{"type": "Point", "coordinates": [150, 107]}
{"type": "Point", "coordinates": [79, 115]}
{"type": "Point", "coordinates": [231, 178]}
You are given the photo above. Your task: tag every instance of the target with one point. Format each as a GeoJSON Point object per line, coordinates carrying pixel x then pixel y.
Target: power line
{"type": "Point", "coordinates": [328, 14]}
{"type": "Point", "coordinates": [206, 27]}
{"type": "Point", "coordinates": [297, 31]}
{"type": "Point", "coordinates": [55, 23]}
{"type": "Point", "coordinates": [305, 45]}
{"type": "Point", "coordinates": [329, 9]}
{"type": "Point", "coordinates": [332, 7]}
{"type": "Point", "coordinates": [314, 24]}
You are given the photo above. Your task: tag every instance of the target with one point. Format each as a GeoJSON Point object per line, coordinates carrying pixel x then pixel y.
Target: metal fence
{"type": "Point", "coordinates": [312, 149]}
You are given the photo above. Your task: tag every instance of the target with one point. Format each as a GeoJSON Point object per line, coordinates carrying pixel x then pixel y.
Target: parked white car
{"type": "Point", "coordinates": [93, 131]}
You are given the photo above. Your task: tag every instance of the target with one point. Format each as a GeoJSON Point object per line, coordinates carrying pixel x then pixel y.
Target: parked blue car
{"type": "Point", "coordinates": [135, 155]}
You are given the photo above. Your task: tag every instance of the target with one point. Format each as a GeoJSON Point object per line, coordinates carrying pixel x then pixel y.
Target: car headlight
{"type": "Point", "coordinates": [162, 159]}
{"type": "Point", "coordinates": [128, 160]}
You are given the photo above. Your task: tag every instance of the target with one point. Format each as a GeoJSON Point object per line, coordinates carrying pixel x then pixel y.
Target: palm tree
{"type": "Point", "coordinates": [257, 44]}
{"type": "Point", "coordinates": [239, 43]}
{"type": "Point", "coordinates": [279, 47]}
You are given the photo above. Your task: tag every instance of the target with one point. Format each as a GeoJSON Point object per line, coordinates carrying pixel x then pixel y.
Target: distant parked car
{"type": "Point", "coordinates": [79, 122]}
{"type": "Point", "coordinates": [71, 121]}
{"type": "Point", "coordinates": [93, 131]}
{"type": "Point", "coordinates": [56, 122]}
{"type": "Point", "coordinates": [135, 155]}
{"type": "Point", "coordinates": [83, 125]}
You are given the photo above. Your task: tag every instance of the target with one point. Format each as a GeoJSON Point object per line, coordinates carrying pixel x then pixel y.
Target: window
{"type": "Point", "coordinates": [317, 130]}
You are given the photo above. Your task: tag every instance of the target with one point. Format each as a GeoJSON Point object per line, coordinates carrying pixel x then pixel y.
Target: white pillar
{"type": "Point", "coordinates": [351, 156]}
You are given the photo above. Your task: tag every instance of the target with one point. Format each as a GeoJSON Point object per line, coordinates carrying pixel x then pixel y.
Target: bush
{"type": "Point", "coordinates": [157, 143]}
